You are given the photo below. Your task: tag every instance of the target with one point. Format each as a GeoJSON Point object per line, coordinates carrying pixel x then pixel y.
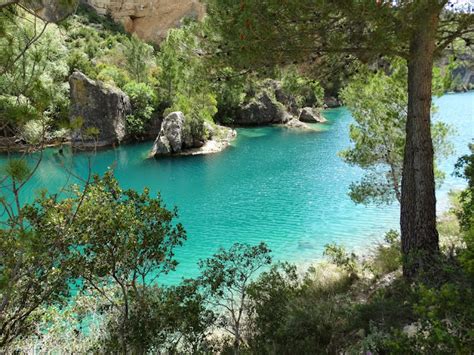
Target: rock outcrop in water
{"type": "Point", "coordinates": [101, 111]}
{"type": "Point", "coordinates": [331, 102]}
{"type": "Point", "coordinates": [261, 110]}
{"type": "Point", "coordinates": [176, 138]}
{"type": "Point", "coordinates": [171, 137]}
{"type": "Point", "coordinates": [268, 105]}
{"type": "Point", "coordinates": [296, 123]}
{"type": "Point", "coordinates": [311, 115]}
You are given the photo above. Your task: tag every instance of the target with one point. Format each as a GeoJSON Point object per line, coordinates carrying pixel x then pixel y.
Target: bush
{"type": "Point", "coordinates": [197, 107]}
{"type": "Point", "coordinates": [387, 256]}
{"type": "Point", "coordinates": [77, 59]}
{"type": "Point", "coordinates": [113, 75]}
{"type": "Point", "coordinates": [305, 91]}
{"type": "Point", "coordinates": [290, 315]}
{"type": "Point", "coordinates": [347, 261]}
{"type": "Point", "coordinates": [143, 100]}
{"type": "Point", "coordinates": [34, 131]}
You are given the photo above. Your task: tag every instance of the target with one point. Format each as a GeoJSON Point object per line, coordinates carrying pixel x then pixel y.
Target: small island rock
{"type": "Point", "coordinates": [296, 123]}
{"type": "Point", "coordinates": [175, 139]}
{"type": "Point", "coordinates": [311, 115]}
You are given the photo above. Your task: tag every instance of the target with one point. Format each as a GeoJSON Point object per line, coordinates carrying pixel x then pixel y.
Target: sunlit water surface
{"type": "Point", "coordinates": [280, 186]}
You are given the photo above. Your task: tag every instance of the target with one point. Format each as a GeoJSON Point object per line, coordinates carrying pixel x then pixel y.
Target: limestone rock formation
{"type": "Point", "coordinates": [281, 96]}
{"type": "Point", "coordinates": [311, 115]}
{"type": "Point", "coordinates": [463, 78]}
{"type": "Point", "coordinates": [262, 109]}
{"type": "Point", "coordinates": [175, 139]}
{"type": "Point", "coordinates": [51, 10]}
{"type": "Point", "coordinates": [152, 127]}
{"type": "Point", "coordinates": [270, 103]}
{"type": "Point", "coordinates": [101, 109]}
{"type": "Point", "coordinates": [462, 74]}
{"type": "Point", "coordinates": [171, 137]}
{"type": "Point", "coordinates": [331, 102]}
{"type": "Point", "coordinates": [149, 19]}
{"type": "Point", "coordinates": [296, 123]}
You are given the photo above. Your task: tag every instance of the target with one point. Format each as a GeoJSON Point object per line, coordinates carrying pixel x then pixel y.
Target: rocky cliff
{"type": "Point", "coordinates": [98, 112]}
{"type": "Point", "coordinates": [149, 19]}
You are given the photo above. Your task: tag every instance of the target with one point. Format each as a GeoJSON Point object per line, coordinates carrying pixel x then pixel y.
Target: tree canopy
{"type": "Point", "coordinates": [257, 34]}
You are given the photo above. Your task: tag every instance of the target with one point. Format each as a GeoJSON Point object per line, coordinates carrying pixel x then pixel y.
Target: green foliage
{"type": "Point", "coordinates": [225, 280]}
{"type": "Point", "coordinates": [113, 75]}
{"type": "Point", "coordinates": [339, 256]}
{"type": "Point", "coordinates": [35, 264]}
{"type": "Point", "coordinates": [446, 315]}
{"type": "Point", "coordinates": [79, 60]}
{"type": "Point", "coordinates": [269, 297]}
{"type": "Point", "coordinates": [387, 256]}
{"type": "Point", "coordinates": [34, 131]}
{"type": "Point", "coordinates": [183, 78]}
{"type": "Point", "coordinates": [91, 38]}
{"type": "Point", "coordinates": [306, 92]}
{"type": "Point", "coordinates": [294, 315]}
{"type": "Point", "coordinates": [116, 237]}
{"type": "Point", "coordinates": [143, 100]}
{"type": "Point", "coordinates": [201, 106]}
{"type": "Point", "coordinates": [319, 316]}
{"type": "Point", "coordinates": [138, 56]}
{"type": "Point", "coordinates": [127, 233]}
{"type": "Point", "coordinates": [194, 127]}
{"type": "Point", "coordinates": [310, 32]}
{"type": "Point", "coordinates": [230, 89]}
{"type": "Point", "coordinates": [32, 81]}
{"type": "Point", "coordinates": [99, 48]}
{"type": "Point", "coordinates": [34, 270]}
{"type": "Point", "coordinates": [465, 168]}
{"type": "Point", "coordinates": [378, 104]}
{"type": "Point", "coordinates": [176, 62]}
{"type": "Point", "coordinates": [163, 319]}
{"type": "Point", "coordinates": [17, 170]}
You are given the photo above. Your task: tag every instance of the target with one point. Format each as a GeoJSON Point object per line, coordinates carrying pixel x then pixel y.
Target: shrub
{"type": "Point", "coordinates": [143, 100]}
{"type": "Point", "coordinates": [113, 75]}
{"type": "Point", "coordinates": [347, 261]}
{"type": "Point", "coordinates": [77, 59]}
{"type": "Point", "coordinates": [387, 256]}
{"type": "Point", "coordinates": [34, 131]}
{"type": "Point", "coordinates": [305, 91]}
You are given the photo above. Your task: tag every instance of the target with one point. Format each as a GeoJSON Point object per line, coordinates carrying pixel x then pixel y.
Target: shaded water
{"type": "Point", "coordinates": [276, 185]}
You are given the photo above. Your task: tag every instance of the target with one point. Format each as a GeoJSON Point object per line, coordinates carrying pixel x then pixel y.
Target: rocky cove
{"type": "Point", "coordinates": [98, 119]}
{"type": "Point", "coordinates": [343, 131]}
{"type": "Point", "coordinates": [287, 186]}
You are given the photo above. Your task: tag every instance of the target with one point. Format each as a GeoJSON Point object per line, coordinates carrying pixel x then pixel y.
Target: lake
{"type": "Point", "coordinates": [281, 186]}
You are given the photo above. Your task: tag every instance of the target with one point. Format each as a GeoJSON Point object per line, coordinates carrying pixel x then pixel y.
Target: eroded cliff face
{"type": "Point", "coordinates": [149, 19]}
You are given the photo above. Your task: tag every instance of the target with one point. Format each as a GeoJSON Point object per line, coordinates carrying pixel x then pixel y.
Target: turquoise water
{"type": "Point", "coordinates": [283, 187]}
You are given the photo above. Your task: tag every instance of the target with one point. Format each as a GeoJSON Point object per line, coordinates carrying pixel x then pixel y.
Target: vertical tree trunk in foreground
{"type": "Point", "coordinates": [418, 203]}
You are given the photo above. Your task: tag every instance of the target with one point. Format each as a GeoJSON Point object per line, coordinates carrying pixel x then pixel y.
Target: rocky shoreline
{"type": "Point", "coordinates": [180, 135]}
{"type": "Point", "coordinates": [98, 120]}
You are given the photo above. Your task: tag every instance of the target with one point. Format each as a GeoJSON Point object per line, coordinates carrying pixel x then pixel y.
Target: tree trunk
{"type": "Point", "coordinates": [418, 202]}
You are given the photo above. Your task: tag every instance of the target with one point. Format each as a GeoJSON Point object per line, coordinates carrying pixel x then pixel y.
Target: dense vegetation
{"type": "Point", "coordinates": [241, 301]}
{"type": "Point", "coordinates": [81, 268]}
{"type": "Point", "coordinates": [416, 31]}
{"type": "Point", "coordinates": [175, 76]}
